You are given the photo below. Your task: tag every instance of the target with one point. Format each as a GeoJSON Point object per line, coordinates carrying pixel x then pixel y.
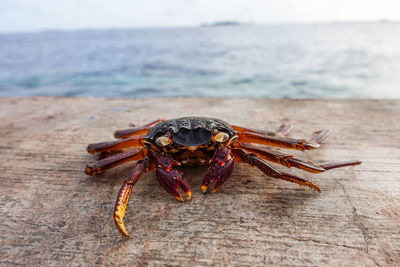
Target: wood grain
{"type": "Point", "coordinates": [51, 213]}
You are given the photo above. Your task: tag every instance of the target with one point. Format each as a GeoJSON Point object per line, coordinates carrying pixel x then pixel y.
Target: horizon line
{"type": "Point", "coordinates": [200, 25]}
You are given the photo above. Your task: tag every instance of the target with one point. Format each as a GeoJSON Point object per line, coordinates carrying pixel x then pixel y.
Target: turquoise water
{"type": "Point", "coordinates": [276, 61]}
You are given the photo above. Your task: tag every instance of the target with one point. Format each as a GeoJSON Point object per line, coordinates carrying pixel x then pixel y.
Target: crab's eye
{"type": "Point", "coordinates": [221, 137]}
{"type": "Point", "coordinates": [163, 141]}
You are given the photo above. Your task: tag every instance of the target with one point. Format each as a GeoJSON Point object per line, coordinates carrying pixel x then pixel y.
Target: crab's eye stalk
{"type": "Point", "coordinates": [163, 141]}
{"type": "Point", "coordinates": [221, 137]}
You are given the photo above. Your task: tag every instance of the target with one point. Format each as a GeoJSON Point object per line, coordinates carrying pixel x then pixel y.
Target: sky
{"type": "Point", "coordinates": [38, 15]}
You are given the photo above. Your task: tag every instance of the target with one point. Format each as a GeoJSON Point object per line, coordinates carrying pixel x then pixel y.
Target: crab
{"type": "Point", "coordinates": [163, 144]}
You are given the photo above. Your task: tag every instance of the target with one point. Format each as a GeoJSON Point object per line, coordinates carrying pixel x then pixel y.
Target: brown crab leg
{"type": "Point", "coordinates": [136, 141]}
{"type": "Point", "coordinates": [290, 161]}
{"type": "Point", "coordinates": [113, 161]}
{"type": "Point", "coordinates": [299, 144]}
{"type": "Point", "coordinates": [252, 159]}
{"type": "Point", "coordinates": [330, 166]}
{"type": "Point", "coordinates": [286, 160]}
{"type": "Point", "coordinates": [125, 192]}
{"type": "Point", "coordinates": [320, 136]}
{"type": "Point", "coordinates": [283, 130]}
{"type": "Point", "coordinates": [142, 130]}
{"type": "Point", "coordinates": [241, 129]}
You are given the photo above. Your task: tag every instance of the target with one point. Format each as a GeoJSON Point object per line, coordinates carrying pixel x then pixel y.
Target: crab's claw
{"type": "Point", "coordinates": [221, 170]}
{"type": "Point", "coordinates": [171, 179]}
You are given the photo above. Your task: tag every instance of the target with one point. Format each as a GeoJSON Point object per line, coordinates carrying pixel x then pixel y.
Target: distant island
{"type": "Point", "coordinates": [224, 23]}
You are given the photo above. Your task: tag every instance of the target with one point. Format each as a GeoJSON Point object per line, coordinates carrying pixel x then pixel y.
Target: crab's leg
{"type": "Point", "coordinates": [299, 144]}
{"type": "Point", "coordinates": [171, 179]}
{"type": "Point", "coordinates": [243, 156]}
{"type": "Point", "coordinates": [113, 161]}
{"type": "Point", "coordinates": [241, 129]}
{"type": "Point", "coordinates": [283, 130]}
{"type": "Point", "coordinates": [142, 130]}
{"type": "Point", "coordinates": [286, 160]}
{"type": "Point", "coordinates": [125, 192]}
{"type": "Point", "coordinates": [330, 166]}
{"type": "Point", "coordinates": [320, 136]}
{"type": "Point", "coordinates": [221, 171]}
{"type": "Point", "coordinates": [136, 141]}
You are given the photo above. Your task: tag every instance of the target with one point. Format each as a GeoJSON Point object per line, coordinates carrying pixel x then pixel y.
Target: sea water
{"type": "Point", "coordinates": [358, 60]}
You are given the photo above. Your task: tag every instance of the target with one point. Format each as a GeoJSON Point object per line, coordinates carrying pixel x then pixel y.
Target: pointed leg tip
{"type": "Point", "coordinates": [189, 195]}
{"type": "Point", "coordinates": [313, 145]}
{"type": "Point", "coordinates": [315, 187]}
{"type": "Point", "coordinates": [204, 188]}
{"type": "Point", "coordinates": [123, 231]}
{"type": "Point", "coordinates": [179, 198]}
{"type": "Point", "coordinates": [121, 227]}
{"type": "Point", "coordinates": [126, 235]}
{"type": "Point", "coordinates": [354, 163]}
{"type": "Point", "coordinates": [90, 150]}
{"type": "Point", "coordinates": [88, 170]}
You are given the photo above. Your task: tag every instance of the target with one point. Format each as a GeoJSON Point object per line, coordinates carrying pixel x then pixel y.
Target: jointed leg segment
{"type": "Point", "coordinates": [136, 141]}
{"type": "Point", "coordinates": [124, 141]}
{"type": "Point", "coordinates": [282, 159]}
{"type": "Point", "coordinates": [142, 130]}
{"type": "Point", "coordinates": [330, 166]}
{"type": "Point", "coordinates": [320, 136]}
{"type": "Point", "coordinates": [283, 130]}
{"type": "Point", "coordinates": [241, 155]}
{"type": "Point", "coordinates": [113, 161]}
{"type": "Point", "coordinates": [125, 193]}
{"type": "Point", "coordinates": [300, 144]}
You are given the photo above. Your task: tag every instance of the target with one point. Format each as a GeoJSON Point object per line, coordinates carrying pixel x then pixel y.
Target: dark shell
{"type": "Point", "coordinates": [189, 131]}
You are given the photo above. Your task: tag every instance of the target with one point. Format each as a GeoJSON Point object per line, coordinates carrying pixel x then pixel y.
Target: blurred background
{"type": "Point", "coordinates": [200, 48]}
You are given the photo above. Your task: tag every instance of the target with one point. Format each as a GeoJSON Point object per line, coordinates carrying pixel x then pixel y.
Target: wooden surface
{"type": "Point", "coordinates": [51, 212]}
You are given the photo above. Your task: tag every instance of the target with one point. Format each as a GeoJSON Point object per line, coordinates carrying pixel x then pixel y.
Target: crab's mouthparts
{"type": "Point", "coordinates": [192, 148]}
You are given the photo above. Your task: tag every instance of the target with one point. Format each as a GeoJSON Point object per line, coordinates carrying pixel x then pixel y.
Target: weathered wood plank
{"type": "Point", "coordinates": [51, 212]}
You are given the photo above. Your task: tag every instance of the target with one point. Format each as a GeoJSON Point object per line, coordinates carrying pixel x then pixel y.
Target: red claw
{"type": "Point", "coordinates": [171, 179]}
{"type": "Point", "coordinates": [221, 171]}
